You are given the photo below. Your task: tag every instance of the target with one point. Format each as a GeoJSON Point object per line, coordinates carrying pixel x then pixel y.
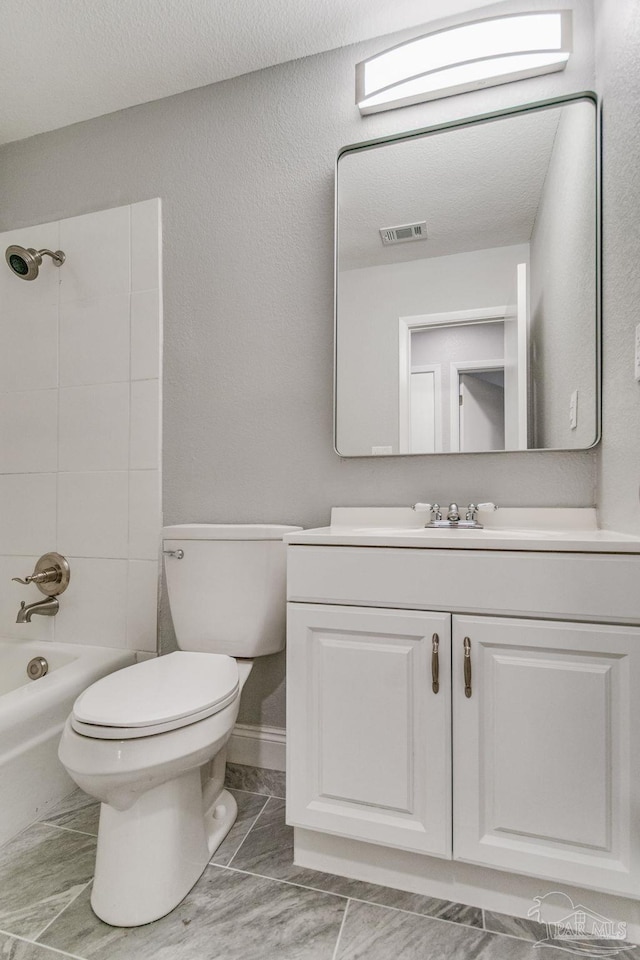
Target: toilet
{"type": "Point", "coordinates": [149, 741]}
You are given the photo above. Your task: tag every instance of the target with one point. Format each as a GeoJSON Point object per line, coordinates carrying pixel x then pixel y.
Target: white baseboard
{"type": "Point", "coordinates": [257, 746]}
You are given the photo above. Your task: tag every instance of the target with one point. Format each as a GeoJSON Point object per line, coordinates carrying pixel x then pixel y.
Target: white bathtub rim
{"type": "Point", "coordinates": [24, 709]}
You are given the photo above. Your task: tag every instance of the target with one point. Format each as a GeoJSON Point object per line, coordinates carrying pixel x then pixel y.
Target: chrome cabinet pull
{"type": "Point", "coordinates": [467, 667]}
{"type": "Point", "coordinates": [435, 663]}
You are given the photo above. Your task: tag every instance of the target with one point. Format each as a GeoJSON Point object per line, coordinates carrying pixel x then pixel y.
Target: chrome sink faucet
{"type": "Point", "coordinates": [454, 519]}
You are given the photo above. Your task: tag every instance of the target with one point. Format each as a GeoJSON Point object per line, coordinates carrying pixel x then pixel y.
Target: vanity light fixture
{"type": "Point", "coordinates": [469, 56]}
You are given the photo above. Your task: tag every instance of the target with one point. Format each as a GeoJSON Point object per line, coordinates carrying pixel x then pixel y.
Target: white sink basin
{"type": "Point", "coordinates": [479, 533]}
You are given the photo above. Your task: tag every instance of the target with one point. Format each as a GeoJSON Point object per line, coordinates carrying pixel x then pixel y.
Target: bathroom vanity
{"type": "Point", "coordinates": [463, 710]}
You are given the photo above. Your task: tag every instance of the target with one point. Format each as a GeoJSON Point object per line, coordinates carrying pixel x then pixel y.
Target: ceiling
{"type": "Point", "coordinates": [62, 61]}
{"type": "Point", "coordinates": [476, 187]}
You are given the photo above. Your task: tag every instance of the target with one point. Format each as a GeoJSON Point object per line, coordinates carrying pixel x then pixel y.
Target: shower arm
{"type": "Point", "coordinates": [57, 256]}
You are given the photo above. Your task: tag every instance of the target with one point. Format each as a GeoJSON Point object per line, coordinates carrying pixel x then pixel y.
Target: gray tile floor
{"type": "Point", "coordinates": [251, 903]}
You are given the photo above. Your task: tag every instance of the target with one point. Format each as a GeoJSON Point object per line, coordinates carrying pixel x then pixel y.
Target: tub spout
{"type": "Point", "coordinates": [46, 608]}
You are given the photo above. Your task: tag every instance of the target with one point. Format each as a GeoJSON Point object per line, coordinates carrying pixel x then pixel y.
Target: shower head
{"type": "Point", "coordinates": [25, 261]}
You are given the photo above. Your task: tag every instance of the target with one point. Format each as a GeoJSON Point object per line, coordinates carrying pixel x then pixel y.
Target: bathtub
{"type": "Point", "coordinates": [32, 715]}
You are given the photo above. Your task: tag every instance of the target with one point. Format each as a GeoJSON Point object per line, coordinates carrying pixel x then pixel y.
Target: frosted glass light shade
{"type": "Point", "coordinates": [466, 57]}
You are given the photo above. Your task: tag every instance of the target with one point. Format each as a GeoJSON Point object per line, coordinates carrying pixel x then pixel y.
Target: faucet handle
{"type": "Point", "coordinates": [51, 575]}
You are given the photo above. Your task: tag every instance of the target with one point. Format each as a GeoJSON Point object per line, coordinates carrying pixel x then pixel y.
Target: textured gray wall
{"type": "Point", "coordinates": [245, 172]}
{"type": "Point", "coordinates": [618, 32]}
{"type": "Point", "coordinates": [563, 302]}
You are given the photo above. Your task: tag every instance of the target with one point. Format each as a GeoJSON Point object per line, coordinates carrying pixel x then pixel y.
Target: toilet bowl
{"type": "Point", "coordinates": [149, 741]}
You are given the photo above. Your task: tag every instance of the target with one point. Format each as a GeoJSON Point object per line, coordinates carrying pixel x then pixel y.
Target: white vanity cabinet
{"type": "Point", "coordinates": [546, 750]}
{"type": "Point", "coordinates": [539, 730]}
{"type": "Point", "coordinates": [369, 730]}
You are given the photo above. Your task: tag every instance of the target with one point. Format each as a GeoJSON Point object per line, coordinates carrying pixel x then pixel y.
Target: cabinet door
{"type": "Point", "coordinates": [368, 738]}
{"type": "Point", "coordinates": [546, 750]}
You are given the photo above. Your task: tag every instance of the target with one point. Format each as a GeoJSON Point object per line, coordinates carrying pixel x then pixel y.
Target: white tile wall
{"type": "Point", "coordinates": [93, 608]}
{"type": "Point", "coordinates": [145, 335]}
{"type": "Point", "coordinates": [143, 589]}
{"type": "Point", "coordinates": [29, 346]}
{"type": "Point", "coordinates": [98, 251]}
{"type": "Point", "coordinates": [93, 514]}
{"type": "Point", "coordinates": [28, 434]}
{"type": "Point", "coordinates": [145, 425]}
{"type": "Point", "coordinates": [27, 513]}
{"type": "Point", "coordinates": [145, 255]}
{"type": "Point", "coordinates": [94, 427]}
{"type": "Point", "coordinates": [80, 361]}
{"type": "Point", "coordinates": [144, 510]}
{"type": "Point", "coordinates": [94, 340]}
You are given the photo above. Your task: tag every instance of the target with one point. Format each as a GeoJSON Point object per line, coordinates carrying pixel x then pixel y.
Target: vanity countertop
{"type": "Point", "coordinates": [556, 529]}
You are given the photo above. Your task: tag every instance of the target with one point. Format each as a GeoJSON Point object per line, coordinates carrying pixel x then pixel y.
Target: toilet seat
{"type": "Point", "coordinates": [156, 696]}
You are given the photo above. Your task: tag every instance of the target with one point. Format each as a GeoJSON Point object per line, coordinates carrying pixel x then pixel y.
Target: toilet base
{"type": "Point", "coordinates": [150, 855]}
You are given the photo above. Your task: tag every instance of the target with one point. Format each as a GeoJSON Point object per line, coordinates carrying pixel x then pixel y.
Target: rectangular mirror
{"type": "Point", "coordinates": [467, 286]}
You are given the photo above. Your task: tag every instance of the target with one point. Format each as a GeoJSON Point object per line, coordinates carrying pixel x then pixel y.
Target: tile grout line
{"type": "Point", "coordinates": [47, 823]}
{"type": "Point", "coordinates": [59, 826]}
{"type": "Point", "coordinates": [43, 946]}
{"type": "Point", "coordinates": [260, 812]}
{"type": "Point", "coordinates": [252, 793]}
{"type": "Point", "coordinates": [344, 917]}
{"type": "Point", "coordinates": [374, 903]}
{"type": "Point", "coordinates": [60, 912]}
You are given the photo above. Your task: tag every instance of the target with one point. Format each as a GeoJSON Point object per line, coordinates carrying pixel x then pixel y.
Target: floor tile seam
{"type": "Point", "coordinates": [256, 818]}
{"type": "Point", "coordinates": [371, 903]}
{"type": "Point", "coordinates": [55, 826]}
{"type": "Point", "coordinates": [344, 918]}
{"type": "Point", "coordinates": [33, 823]}
{"type": "Point", "coordinates": [287, 883]}
{"type": "Point", "coordinates": [425, 916]}
{"type": "Point", "coordinates": [251, 793]}
{"type": "Point", "coordinates": [60, 912]}
{"type": "Point", "coordinates": [386, 906]}
{"type": "Point", "coordinates": [44, 946]}
{"type": "Point", "coordinates": [257, 793]}
{"type": "Point", "coordinates": [533, 943]}
{"type": "Point", "coordinates": [60, 826]}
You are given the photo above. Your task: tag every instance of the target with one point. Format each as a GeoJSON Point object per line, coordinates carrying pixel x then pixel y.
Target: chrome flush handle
{"type": "Point", "coordinates": [177, 554]}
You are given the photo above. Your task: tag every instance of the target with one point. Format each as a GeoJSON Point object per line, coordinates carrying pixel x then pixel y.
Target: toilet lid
{"type": "Point", "coordinates": [157, 695]}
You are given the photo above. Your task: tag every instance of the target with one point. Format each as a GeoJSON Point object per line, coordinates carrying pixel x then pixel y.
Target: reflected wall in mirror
{"type": "Point", "coordinates": [467, 286]}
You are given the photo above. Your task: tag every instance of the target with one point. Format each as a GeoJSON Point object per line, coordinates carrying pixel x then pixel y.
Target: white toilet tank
{"type": "Point", "coordinates": [227, 593]}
